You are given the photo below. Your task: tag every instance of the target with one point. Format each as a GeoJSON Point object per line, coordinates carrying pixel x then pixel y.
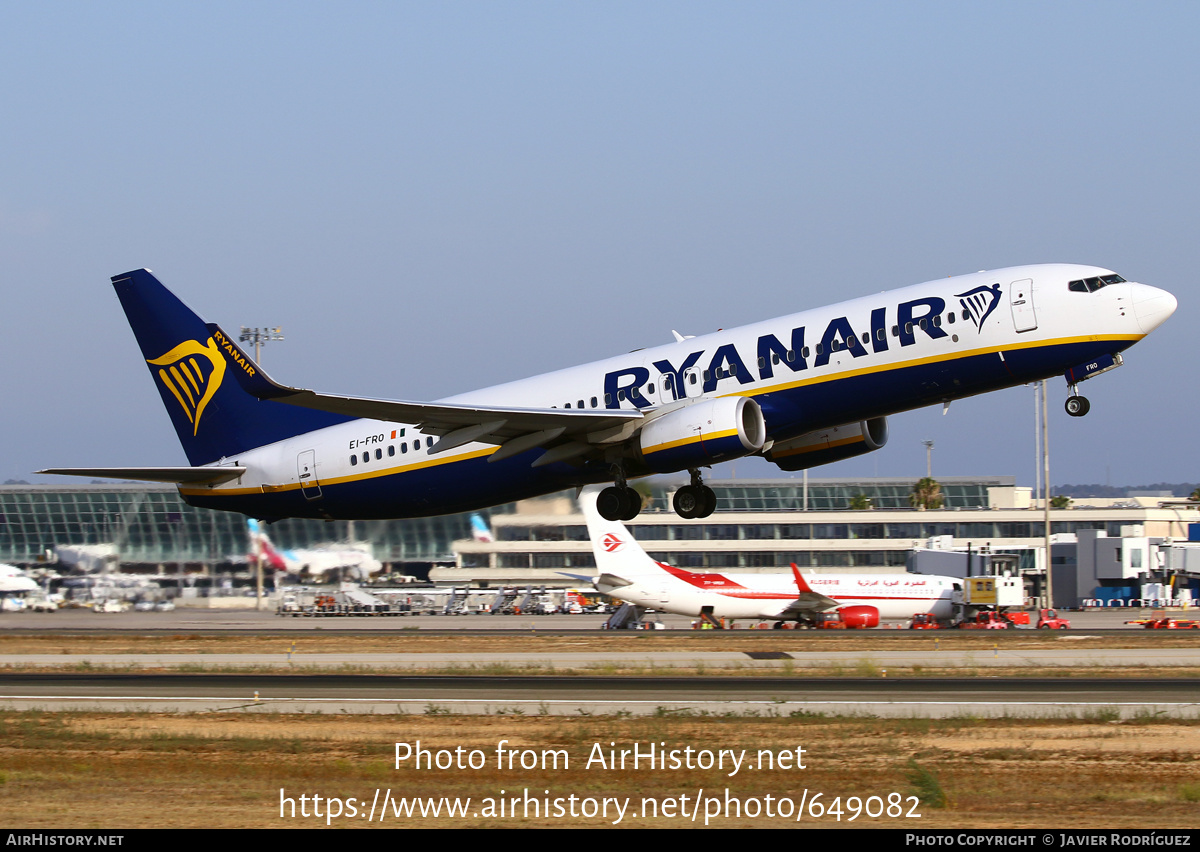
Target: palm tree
{"type": "Point", "coordinates": [860, 501]}
{"type": "Point", "coordinates": [926, 494]}
{"type": "Point", "coordinates": [1060, 501]}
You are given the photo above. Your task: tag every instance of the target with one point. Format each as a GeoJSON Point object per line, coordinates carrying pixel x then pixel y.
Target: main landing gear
{"type": "Point", "coordinates": [1077, 405]}
{"type": "Point", "coordinates": [619, 502]}
{"type": "Point", "coordinates": [696, 500]}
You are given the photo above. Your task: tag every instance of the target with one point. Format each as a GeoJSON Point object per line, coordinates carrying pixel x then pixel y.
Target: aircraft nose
{"type": "Point", "coordinates": [1152, 306]}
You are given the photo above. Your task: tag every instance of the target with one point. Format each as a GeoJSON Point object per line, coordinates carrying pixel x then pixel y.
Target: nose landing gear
{"type": "Point", "coordinates": [1077, 405]}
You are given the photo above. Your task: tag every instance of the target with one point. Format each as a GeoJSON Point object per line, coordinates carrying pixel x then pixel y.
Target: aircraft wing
{"type": "Point", "coordinates": [807, 600]}
{"type": "Point", "coordinates": [188, 475]}
{"type": "Point", "coordinates": [575, 431]}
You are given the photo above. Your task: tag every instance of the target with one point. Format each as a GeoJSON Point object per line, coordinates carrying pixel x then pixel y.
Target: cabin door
{"type": "Point", "coordinates": [306, 471]}
{"type": "Point", "coordinates": [1020, 299]}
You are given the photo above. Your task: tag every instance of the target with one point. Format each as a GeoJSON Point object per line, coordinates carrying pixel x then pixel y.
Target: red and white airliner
{"type": "Point", "coordinates": [626, 572]}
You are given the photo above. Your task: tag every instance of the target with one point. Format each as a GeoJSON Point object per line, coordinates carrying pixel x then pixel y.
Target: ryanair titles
{"type": "Point", "coordinates": [726, 362]}
{"type": "Point", "coordinates": [233, 353]}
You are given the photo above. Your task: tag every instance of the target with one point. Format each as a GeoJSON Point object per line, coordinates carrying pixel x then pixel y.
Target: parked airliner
{"type": "Point", "coordinates": [353, 560]}
{"type": "Point", "coordinates": [626, 572]}
{"type": "Point", "coordinates": [801, 390]}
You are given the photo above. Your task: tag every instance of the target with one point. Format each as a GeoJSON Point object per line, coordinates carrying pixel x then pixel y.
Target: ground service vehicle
{"type": "Point", "coordinates": [1048, 619]}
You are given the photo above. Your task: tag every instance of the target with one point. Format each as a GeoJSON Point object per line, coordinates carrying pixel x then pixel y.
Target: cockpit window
{"type": "Point", "coordinates": [1091, 285]}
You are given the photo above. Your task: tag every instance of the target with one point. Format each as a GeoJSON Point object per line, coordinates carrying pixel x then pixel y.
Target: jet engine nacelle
{"type": "Point", "coordinates": [829, 445]}
{"type": "Point", "coordinates": [858, 617]}
{"type": "Point", "coordinates": [703, 433]}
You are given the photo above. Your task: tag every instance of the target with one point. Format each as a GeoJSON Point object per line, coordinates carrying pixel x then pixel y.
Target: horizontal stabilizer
{"type": "Point", "coordinates": [188, 475]}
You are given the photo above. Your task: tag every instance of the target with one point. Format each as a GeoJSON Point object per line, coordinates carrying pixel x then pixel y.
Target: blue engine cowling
{"type": "Point", "coordinates": [713, 430]}
{"type": "Point", "coordinates": [829, 445]}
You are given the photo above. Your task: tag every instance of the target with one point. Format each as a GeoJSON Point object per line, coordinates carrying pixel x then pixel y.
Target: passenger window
{"type": "Point", "coordinates": [391, 449]}
{"type": "Point", "coordinates": [805, 353]}
{"type": "Point", "coordinates": [353, 460]}
{"type": "Point", "coordinates": [866, 337]}
{"type": "Point", "coordinates": [791, 356]}
{"type": "Point", "coordinates": [366, 457]}
{"type": "Point", "coordinates": [580, 404]}
{"type": "Point", "coordinates": [762, 363]}
{"type": "Point", "coordinates": [895, 331]}
{"type": "Point", "coordinates": [593, 402]}
{"type": "Point", "coordinates": [880, 334]}
{"type": "Point", "coordinates": [908, 328]}
{"type": "Point", "coordinates": [429, 442]}
{"type": "Point", "coordinates": [950, 316]}
{"type": "Point", "coordinates": [568, 405]}
{"type": "Point", "coordinates": [404, 447]}
{"type": "Point", "coordinates": [937, 321]}
{"type": "Point", "coordinates": [820, 349]}
{"type": "Point", "coordinates": [378, 455]}
{"type": "Point", "coordinates": [608, 399]}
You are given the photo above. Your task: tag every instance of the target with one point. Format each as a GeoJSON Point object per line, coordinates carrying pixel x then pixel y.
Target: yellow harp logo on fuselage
{"type": "Point", "coordinates": [181, 371]}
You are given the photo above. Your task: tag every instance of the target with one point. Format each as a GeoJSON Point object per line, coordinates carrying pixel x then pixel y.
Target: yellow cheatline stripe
{"type": "Point", "coordinates": [339, 480]}
{"type": "Point", "coordinates": [670, 445]}
{"type": "Point", "coordinates": [834, 375]}
{"type": "Point", "coordinates": [811, 448]}
{"type": "Point", "coordinates": [166, 380]}
{"type": "Point", "coordinates": [831, 376]}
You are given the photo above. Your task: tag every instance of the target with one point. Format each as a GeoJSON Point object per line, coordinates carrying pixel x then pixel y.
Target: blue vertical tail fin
{"type": "Point", "coordinates": [213, 417]}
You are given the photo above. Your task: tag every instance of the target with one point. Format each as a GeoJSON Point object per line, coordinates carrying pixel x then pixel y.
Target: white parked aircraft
{"type": "Point", "coordinates": [626, 572]}
{"type": "Point", "coordinates": [13, 579]}
{"type": "Point", "coordinates": [801, 390]}
{"type": "Point", "coordinates": [322, 563]}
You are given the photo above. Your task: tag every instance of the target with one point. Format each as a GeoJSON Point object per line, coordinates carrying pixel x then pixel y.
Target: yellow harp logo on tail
{"type": "Point", "coordinates": [182, 371]}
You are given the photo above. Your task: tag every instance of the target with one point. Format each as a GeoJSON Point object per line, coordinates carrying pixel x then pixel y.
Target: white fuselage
{"type": "Point", "coordinates": [864, 358]}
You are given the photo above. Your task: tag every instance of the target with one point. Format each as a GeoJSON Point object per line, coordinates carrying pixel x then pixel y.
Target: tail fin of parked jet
{"type": "Point", "coordinates": [213, 416]}
{"type": "Point", "coordinates": [617, 552]}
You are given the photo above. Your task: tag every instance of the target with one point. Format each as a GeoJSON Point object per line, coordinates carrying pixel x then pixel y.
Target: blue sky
{"type": "Point", "coordinates": [434, 197]}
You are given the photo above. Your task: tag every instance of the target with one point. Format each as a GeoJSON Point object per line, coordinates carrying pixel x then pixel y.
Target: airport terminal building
{"type": "Point", "coordinates": [759, 526]}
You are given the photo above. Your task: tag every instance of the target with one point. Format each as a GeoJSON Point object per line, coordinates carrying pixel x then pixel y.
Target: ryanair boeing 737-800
{"type": "Point", "coordinates": [801, 390]}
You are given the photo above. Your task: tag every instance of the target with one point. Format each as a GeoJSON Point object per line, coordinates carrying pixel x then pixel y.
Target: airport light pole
{"type": "Point", "coordinates": [1046, 495]}
{"type": "Point", "coordinates": [928, 459]}
{"type": "Point", "coordinates": [259, 336]}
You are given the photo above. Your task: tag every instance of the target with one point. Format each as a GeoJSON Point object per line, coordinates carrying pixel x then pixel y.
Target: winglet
{"type": "Point", "coordinates": [801, 584]}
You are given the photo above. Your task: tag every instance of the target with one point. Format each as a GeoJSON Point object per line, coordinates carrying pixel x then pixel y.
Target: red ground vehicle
{"type": "Point", "coordinates": [924, 621]}
{"type": "Point", "coordinates": [987, 620]}
{"type": "Point", "coordinates": [1048, 620]}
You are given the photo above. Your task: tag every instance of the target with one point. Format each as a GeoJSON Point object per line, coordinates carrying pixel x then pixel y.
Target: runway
{"type": "Point", "coordinates": [556, 681]}
{"type": "Point", "coordinates": [588, 696]}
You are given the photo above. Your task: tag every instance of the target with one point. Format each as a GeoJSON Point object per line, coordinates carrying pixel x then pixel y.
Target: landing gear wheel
{"type": "Point", "coordinates": [633, 504]}
{"type": "Point", "coordinates": [618, 504]}
{"type": "Point", "coordinates": [1077, 406]}
{"type": "Point", "coordinates": [688, 502]}
{"type": "Point", "coordinates": [611, 503]}
{"type": "Point", "coordinates": [695, 501]}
